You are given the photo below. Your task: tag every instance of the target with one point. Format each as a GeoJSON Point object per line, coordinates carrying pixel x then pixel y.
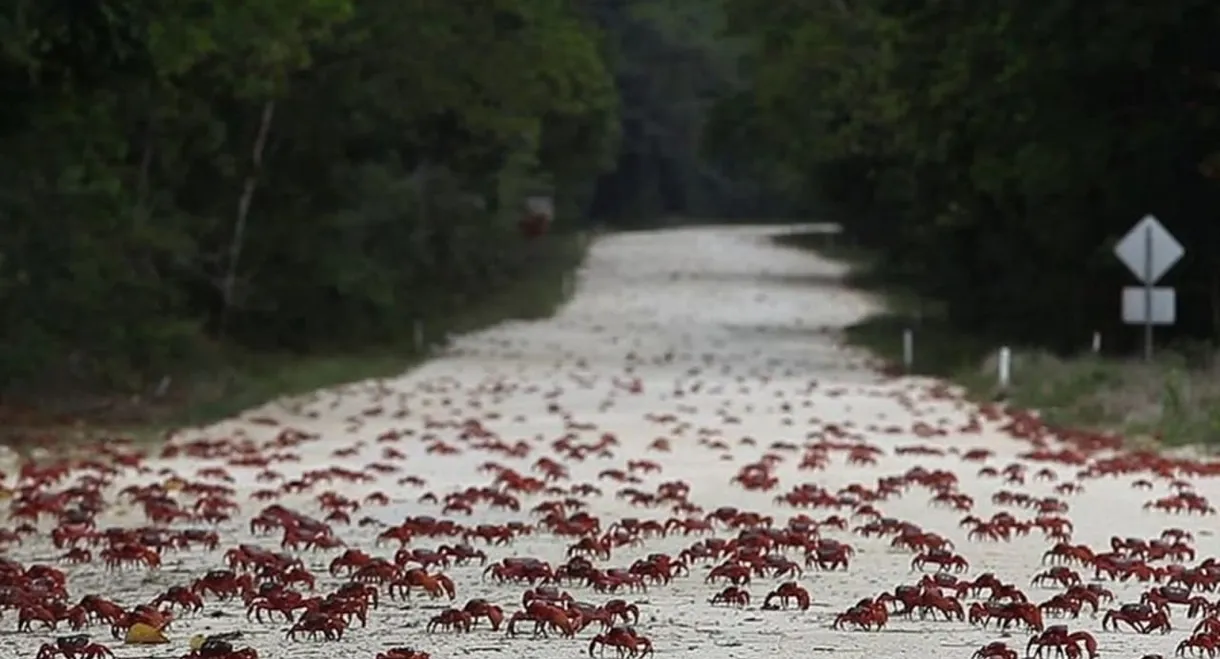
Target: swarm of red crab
{"type": "Point", "coordinates": [260, 518]}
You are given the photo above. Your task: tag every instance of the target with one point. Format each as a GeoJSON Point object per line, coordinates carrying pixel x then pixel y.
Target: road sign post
{"type": "Point", "coordinates": [1149, 251]}
{"type": "Point", "coordinates": [1148, 294]}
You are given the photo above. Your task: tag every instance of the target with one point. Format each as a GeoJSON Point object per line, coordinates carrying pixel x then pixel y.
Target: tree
{"type": "Point", "coordinates": [275, 174]}
{"type": "Point", "coordinates": [995, 153]}
{"type": "Point", "coordinates": [670, 64]}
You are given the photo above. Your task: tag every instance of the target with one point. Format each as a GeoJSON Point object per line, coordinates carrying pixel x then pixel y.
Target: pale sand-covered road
{"type": "Point", "coordinates": [696, 335]}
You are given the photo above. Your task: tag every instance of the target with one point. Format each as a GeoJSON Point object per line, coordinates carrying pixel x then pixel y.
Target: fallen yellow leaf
{"type": "Point", "coordinates": [142, 634]}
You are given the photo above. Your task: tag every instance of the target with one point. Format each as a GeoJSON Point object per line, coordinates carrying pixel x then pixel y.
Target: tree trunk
{"type": "Point", "coordinates": [243, 214]}
{"type": "Point", "coordinates": [1215, 302]}
{"type": "Point", "coordinates": [146, 161]}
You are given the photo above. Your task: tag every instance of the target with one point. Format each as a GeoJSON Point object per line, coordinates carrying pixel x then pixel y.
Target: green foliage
{"type": "Point", "coordinates": [993, 153]}
{"type": "Point", "coordinates": [252, 379]}
{"type": "Point", "coordinates": [670, 63]}
{"type": "Point", "coordinates": [401, 139]}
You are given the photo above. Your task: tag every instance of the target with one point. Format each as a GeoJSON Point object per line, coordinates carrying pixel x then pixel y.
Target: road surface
{"type": "Point", "coordinates": [714, 339]}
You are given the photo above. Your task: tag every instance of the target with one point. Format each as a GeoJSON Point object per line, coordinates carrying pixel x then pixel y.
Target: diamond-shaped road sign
{"type": "Point", "coordinates": [1149, 250]}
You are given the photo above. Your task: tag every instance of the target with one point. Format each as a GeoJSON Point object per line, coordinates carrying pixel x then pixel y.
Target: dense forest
{"type": "Point", "coordinates": [317, 174]}
{"type": "Point", "coordinates": [994, 153]}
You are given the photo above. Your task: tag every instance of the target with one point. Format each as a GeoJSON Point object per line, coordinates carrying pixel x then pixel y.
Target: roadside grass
{"type": "Point", "coordinates": [240, 380]}
{"type": "Point", "coordinates": [1175, 400]}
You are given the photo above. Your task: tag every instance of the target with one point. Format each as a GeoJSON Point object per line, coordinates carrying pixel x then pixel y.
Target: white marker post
{"type": "Point", "coordinates": [418, 336]}
{"type": "Point", "coordinates": [1149, 251]}
{"type": "Point", "coordinates": [1096, 343]}
{"type": "Point", "coordinates": [1005, 368]}
{"type": "Point", "coordinates": [908, 349]}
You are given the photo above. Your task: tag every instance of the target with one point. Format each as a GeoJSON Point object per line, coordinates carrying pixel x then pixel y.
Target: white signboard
{"type": "Point", "coordinates": [1135, 305]}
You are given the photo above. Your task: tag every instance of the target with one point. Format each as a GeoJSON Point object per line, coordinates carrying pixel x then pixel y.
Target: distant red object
{"type": "Point", "coordinates": [534, 225]}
